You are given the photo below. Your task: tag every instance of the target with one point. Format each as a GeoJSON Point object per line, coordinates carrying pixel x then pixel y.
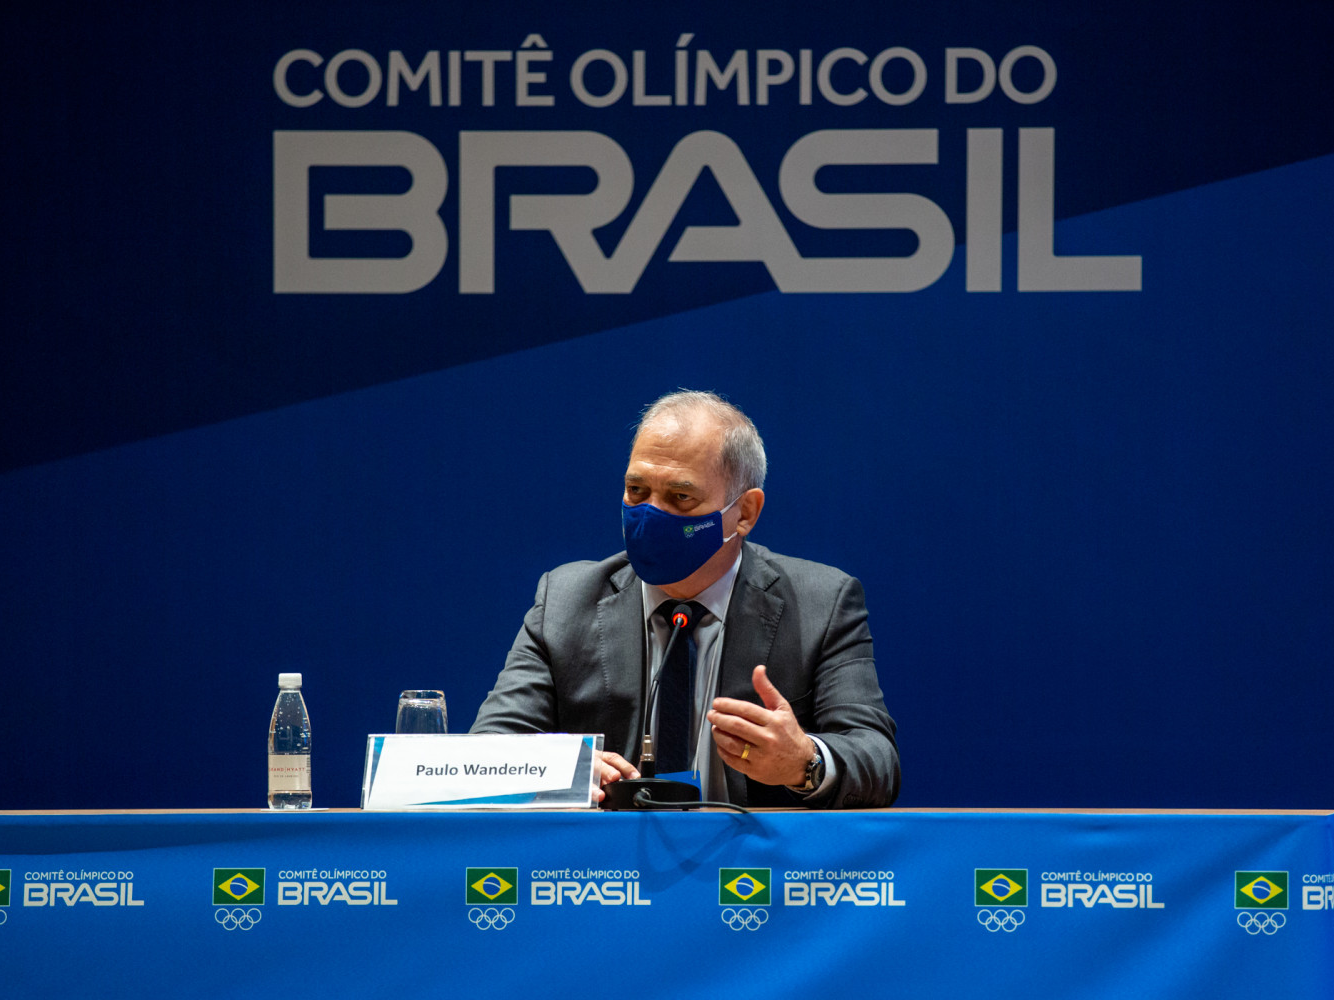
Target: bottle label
{"type": "Point", "coordinates": [289, 772]}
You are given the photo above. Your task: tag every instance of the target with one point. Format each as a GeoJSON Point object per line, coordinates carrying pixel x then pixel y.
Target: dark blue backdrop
{"type": "Point", "coordinates": [1093, 527]}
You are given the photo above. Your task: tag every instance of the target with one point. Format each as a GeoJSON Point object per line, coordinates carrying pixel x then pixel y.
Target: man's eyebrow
{"type": "Point", "coordinates": [685, 485]}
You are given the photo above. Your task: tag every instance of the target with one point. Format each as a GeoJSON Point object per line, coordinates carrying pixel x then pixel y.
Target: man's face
{"type": "Point", "coordinates": [675, 467]}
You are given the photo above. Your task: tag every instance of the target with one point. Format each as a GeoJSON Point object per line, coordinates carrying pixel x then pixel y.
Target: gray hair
{"type": "Point", "coordinates": [742, 456]}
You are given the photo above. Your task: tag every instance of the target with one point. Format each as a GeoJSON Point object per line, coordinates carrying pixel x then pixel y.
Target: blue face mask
{"type": "Point", "coordinates": [666, 548]}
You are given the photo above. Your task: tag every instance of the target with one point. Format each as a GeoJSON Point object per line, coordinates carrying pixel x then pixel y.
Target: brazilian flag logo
{"type": "Point", "coordinates": [750, 886]}
{"type": "Point", "coordinates": [1000, 885]}
{"type": "Point", "coordinates": [1262, 890]}
{"type": "Point", "coordinates": [6, 879]}
{"type": "Point", "coordinates": [238, 885]}
{"type": "Point", "coordinates": [492, 886]}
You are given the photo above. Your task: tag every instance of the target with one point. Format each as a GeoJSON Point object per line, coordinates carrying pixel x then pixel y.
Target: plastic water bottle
{"type": "Point", "coordinates": [289, 747]}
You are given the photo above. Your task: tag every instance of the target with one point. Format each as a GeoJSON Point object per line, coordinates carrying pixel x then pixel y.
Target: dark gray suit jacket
{"type": "Point", "coordinates": [577, 666]}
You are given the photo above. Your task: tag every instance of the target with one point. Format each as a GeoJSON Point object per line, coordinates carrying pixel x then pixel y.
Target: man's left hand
{"type": "Point", "coordinates": [765, 743]}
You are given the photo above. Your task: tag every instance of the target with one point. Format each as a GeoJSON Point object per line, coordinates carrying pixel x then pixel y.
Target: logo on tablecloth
{"type": "Point", "coordinates": [491, 894]}
{"type": "Point", "coordinates": [6, 878]}
{"type": "Point", "coordinates": [238, 885]}
{"type": "Point", "coordinates": [1266, 890]}
{"type": "Point", "coordinates": [743, 892]}
{"type": "Point", "coordinates": [493, 885]}
{"type": "Point", "coordinates": [233, 886]}
{"type": "Point", "coordinates": [1001, 893]}
{"type": "Point", "coordinates": [70, 887]}
{"type": "Point", "coordinates": [744, 885]}
{"type": "Point", "coordinates": [1261, 897]}
{"type": "Point", "coordinates": [825, 887]}
{"type": "Point", "coordinates": [1000, 885]}
{"type": "Point", "coordinates": [1082, 890]}
{"type": "Point", "coordinates": [594, 886]}
{"type": "Point", "coordinates": [1318, 891]}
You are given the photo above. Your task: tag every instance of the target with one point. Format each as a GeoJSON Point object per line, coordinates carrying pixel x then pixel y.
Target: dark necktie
{"type": "Point", "coordinates": [676, 692]}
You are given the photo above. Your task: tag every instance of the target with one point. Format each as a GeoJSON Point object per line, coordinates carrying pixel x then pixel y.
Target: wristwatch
{"type": "Point", "coordinates": [814, 769]}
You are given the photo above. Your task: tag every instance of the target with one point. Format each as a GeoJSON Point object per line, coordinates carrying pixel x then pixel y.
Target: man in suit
{"type": "Point", "coordinates": [763, 628]}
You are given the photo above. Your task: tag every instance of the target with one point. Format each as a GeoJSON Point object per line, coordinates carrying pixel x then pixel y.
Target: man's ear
{"type": "Point", "coordinates": [751, 503]}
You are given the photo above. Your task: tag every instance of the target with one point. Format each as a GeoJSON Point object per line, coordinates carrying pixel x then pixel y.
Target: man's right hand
{"type": "Point", "coordinates": [611, 767]}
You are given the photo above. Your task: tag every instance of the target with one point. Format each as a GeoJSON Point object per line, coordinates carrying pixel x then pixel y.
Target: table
{"type": "Point", "coordinates": [924, 903]}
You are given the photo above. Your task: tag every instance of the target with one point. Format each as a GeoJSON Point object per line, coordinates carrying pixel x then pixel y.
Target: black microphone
{"type": "Point", "coordinates": [648, 792]}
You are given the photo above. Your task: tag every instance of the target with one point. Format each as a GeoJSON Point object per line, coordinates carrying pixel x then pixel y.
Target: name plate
{"type": "Point", "coordinates": [540, 771]}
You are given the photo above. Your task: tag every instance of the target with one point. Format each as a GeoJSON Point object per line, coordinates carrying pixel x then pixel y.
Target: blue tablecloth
{"type": "Point", "coordinates": [568, 904]}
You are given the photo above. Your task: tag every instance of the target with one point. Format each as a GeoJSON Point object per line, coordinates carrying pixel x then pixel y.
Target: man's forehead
{"type": "Point", "coordinates": [690, 450]}
{"type": "Point", "coordinates": [684, 429]}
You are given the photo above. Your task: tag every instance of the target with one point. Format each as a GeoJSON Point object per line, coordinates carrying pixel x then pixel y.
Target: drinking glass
{"type": "Point", "coordinates": [422, 712]}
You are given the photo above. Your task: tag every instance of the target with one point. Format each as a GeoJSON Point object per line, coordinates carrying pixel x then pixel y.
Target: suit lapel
{"type": "Point", "coordinates": [752, 624]}
{"type": "Point", "coordinates": [620, 654]}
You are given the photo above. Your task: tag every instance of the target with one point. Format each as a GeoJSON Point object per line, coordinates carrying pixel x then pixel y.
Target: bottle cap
{"type": "Point", "coordinates": [289, 681]}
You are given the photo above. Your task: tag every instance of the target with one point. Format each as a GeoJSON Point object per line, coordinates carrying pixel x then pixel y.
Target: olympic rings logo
{"type": "Point", "coordinates": [744, 917]}
{"type": "Point", "coordinates": [237, 919]}
{"type": "Point", "coordinates": [491, 918]}
{"type": "Point", "coordinates": [1000, 920]}
{"type": "Point", "coordinates": [3, 916]}
{"type": "Point", "coordinates": [1254, 923]}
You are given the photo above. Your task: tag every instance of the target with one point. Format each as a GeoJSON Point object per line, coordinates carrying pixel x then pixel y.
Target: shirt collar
{"type": "Point", "coordinates": [715, 597]}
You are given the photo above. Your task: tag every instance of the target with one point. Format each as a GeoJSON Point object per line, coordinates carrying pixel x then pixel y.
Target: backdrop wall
{"type": "Point", "coordinates": [307, 366]}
